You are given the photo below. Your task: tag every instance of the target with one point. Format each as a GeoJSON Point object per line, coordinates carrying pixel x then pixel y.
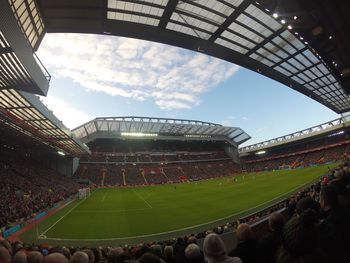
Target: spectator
{"type": "Point", "coordinates": [149, 258]}
{"type": "Point", "coordinates": [247, 249]}
{"type": "Point", "coordinates": [193, 254]}
{"type": "Point", "coordinates": [300, 240]}
{"type": "Point", "coordinates": [20, 257]}
{"type": "Point", "coordinates": [169, 254]}
{"type": "Point", "coordinates": [80, 257]}
{"type": "Point", "coordinates": [215, 251]}
{"type": "Point", "coordinates": [333, 226]}
{"type": "Point", "coordinates": [34, 257]}
{"type": "Point", "coordinates": [156, 250]}
{"type": "Point", "coordinates": [5, 256]}
{"type": "Point", "coordinates": [270, 243]}
{"type": "Point", "coordinates": [90, 255]}
{"type": "Point", "coordinates": [117, 255]}
{"type": "Point", "coordinates": [55, 258]}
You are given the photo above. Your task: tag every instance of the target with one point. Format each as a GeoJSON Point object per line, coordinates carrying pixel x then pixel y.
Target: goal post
{"type": "Point", "coordinates": [83, 193]}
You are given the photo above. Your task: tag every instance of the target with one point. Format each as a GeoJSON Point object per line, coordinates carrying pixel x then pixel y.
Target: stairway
{"type": "Point", "coordinates": [103, 177]}
{"type": "Point", "coordinates": [124, 180]}
{"type": "Point", "coordinates": [144, 177]}
{"type": "Point", "coordinates": [163, 173]}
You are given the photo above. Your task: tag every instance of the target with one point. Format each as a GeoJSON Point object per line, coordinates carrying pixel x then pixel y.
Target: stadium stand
{"type": "Point", "coordinates": [316, 231]}
{"type": "Point", "coordinates": [249, 33]}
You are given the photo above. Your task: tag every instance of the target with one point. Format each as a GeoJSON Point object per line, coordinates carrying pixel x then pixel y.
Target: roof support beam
{"type": "Point", "coordinates": [169, 9]}
{"type": "Point", "coordinates": [229, 20]}
{"type": "Point", "coordinates": [265, 41]}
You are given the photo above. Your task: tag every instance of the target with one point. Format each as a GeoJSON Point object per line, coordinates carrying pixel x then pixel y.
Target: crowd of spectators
{"type": "Point", "coordinates": [141, 174]}
{"type": "Point", "coordinates": [301, 159]}
{"type": "Point", "coordinates": [26, 190]}
{"type": "Point", "coordinates": [310, 226]}
{"type": "Point", "coordinates": [149, 157]}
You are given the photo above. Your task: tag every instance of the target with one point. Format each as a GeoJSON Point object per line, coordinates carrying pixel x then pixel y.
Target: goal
{"type": "Point", "coordinates": [83, 193]}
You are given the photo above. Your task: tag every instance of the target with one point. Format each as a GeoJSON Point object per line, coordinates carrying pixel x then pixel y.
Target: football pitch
{"type": "Point", "coordinates": [132, 215]}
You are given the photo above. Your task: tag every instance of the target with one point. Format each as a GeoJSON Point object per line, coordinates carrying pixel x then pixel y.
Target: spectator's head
{"type": "Point", "coordinates": [4, 255]}
{"type": "Point", "coordinates": [55, 258]}
{"type": "Point", "coordinates": [34, 257]}
{"type": "Point", "coordinates": [307, 203]}
{"type": "Point", "coordinates": [90, 255]}
{"type": "Point", "coordinates": [214, 248]}
{"type": "Point", "coordinates": [97, 254]}
{"type": "Point", "coordinates": [328, 197]}
{"type": "Point", "coordinates": [276, 222]}
{"type": "Point", "coordinates": [300, 235]}
{"type": "Point", "coordinates": [244, 232]}
{"type": "Point", "coordinates": [4, 243]}
{"type": "Point", "coordinates": [168, 251]}
{"type": "Point", "coordinates": [156, 250]}
{"type": "Point", "coordinates": [149, 258]}
{"type": "Point", "coordinates": [193, 253]}
{"type": "Point", "coordinates": [20, 257]}
{"type": "Point", "coordinates": [66, 252]}
{"type": "Point", "coordinates": [79, 257]}
{"type": "Point", "coordinates": [192, 239]}
{"type": "Point", "coordinates": [117, 255]}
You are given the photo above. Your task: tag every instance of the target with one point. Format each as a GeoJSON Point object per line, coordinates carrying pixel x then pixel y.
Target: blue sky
{"type": "Point", "coordinates": [95, 76]}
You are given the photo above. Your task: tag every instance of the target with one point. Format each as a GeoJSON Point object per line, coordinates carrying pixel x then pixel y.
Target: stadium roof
{"type": "Point", "coordinates": [299, 135]}
{"type": "Point", "coordinates": [302, 44]}
{"type": "Point", "coordinates": [20, 68]}
{"type": "Point", "coordinates": [149, 127]}
{"type": "Point", "coordinates": [26, 113]}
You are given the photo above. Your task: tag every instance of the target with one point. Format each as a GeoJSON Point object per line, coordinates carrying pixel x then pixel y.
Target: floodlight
{"type": "Point", "coordinates": [61, 153]}
{"type": "Point", "coordinates": [260, 152]}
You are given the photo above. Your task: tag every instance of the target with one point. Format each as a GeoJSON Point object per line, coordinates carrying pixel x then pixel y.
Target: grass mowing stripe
{"type": "Point", "coordinates": [143, 199]}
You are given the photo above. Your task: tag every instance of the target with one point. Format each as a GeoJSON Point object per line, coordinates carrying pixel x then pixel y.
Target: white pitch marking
{"type": "Point", "coordinates": [143, 199]}
{"type": "Point", "coordinates": [112, 211]}
{"type": "Point", "coordinates": [43, 233]}
{"type": "Point", "coordinates": [185, 228]}
{"type": "Point", "coordinates": [104, 197]}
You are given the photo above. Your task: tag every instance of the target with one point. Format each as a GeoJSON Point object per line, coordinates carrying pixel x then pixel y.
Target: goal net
{"type": "Point", "coordinates": [83, 193]}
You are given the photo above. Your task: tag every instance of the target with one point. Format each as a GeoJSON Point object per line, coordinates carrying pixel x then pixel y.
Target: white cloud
{"type": "Point", "coordinates": [70, 116]}
{"type": "Point", "coordinates": [174, 78]}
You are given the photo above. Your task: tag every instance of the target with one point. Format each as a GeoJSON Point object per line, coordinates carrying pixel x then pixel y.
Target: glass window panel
{"type": "Point", "coordinates": [310, 74]}
{"type": "Point", "coordinates": [238, 39]}
{"type": "Point", "coordinates": [261, 59]}
{"type": "Point", "coordinates": [263, 17]}
{"type": "Point", "coordinates": [316, 72]}
{"type": "Point", "coordinates": [311, 56]}
{"type": "Point", "coordinates": [247, 33]}
{"type": "Point", "coordinates": [303, 60]}
{"type": "Point", "coordinates": [268, 54]}
{"type": "Point", "coordinates": [230, 45]}
{"type": "Point", "coordinates": [296, 63]}
{"type": "Point", "coordinates": [303, 77]}
{"type": "Point", "coordinates": [282, 70]}
{"type": "Point", "coordinates": [282, 43]}
{"type": "Point", "coordinates": [289, 67]}
{"type": "Point", "coordinates": [308, 86]}
{"type": "Point", "coordinates": [250, 23]}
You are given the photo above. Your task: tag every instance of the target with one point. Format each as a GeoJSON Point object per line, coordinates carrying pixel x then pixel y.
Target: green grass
{"type": "Point", "coordinates": [118, 215]}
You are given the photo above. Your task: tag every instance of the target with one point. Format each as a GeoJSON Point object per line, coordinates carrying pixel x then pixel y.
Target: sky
{"type": "Point", "coordinates": [107, 76]}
